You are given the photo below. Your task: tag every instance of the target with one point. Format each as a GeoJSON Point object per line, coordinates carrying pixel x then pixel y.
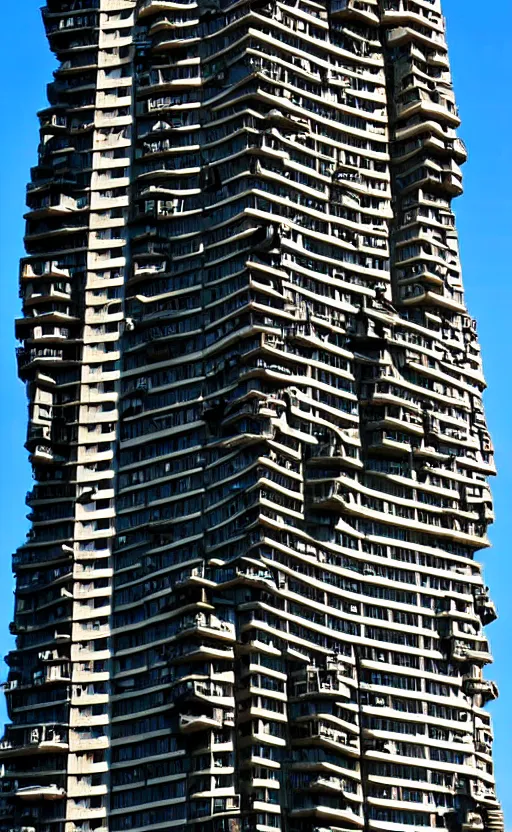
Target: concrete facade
{"type": "Point", "coordinates": [250, 600]}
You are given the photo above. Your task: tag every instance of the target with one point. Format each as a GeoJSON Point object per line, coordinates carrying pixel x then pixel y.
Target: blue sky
{"type": "Point", "coordinates": [480, 45]}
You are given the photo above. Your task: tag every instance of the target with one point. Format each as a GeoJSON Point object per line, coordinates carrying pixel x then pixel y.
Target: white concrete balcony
{"type": "Point", "coordinates": [87, 744]}
{"type": "Point", "coordinates": [322, 733]}
{"type": "Point", "coordinates": [39, 741]}
{"type": "Point", "coordinates": [404, 34]}
{"type": "Point", "coordinates": [82, 765]}
{"type": "Point", "coordinates": [37, 793]}
{"type": "Point", "coordinates": [83, 633]}
{"type": "Point", "coordinates": [362, 11]}
{"type": "Point", "coordinates": [191, 723]}
{"type": "Point", "coordinates": [333, 816]}
{"type": "Point", "coordinates": [80, 788]}
{"type": "Point", "coordinates": [84, 612]}
{"type": "Point", "coordinates": [75, 812]}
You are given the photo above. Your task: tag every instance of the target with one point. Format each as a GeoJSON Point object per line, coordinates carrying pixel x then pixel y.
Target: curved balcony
{"type": "Point", "coordinates": [332, 810]}
{"type": "Point", "coordinates": [400, 35]}
{"type": "Point", "coordinates": [203, 691]}
{"type": "Point", "coordinates": [175, 77]}
{"type": "Point", "coordinates": [52, 121]}
{"type": "Point", "coordinates": [458, 149]}
{"type": "Point", "coordinates": [474, 686]}
{"type": "Point", "coordinates": [485, 608]}
{"type": "Point", "coordinates": [395, 11]}
{"type": "Point", "coordinates": [28, 359]}
{"type": "Point", "coordinates": [36, 268]}
{"type": "Point", "coordinates": [45, 455]}
{"type": "Point", "coordinates": [360, 11]}
{"type": "Point", "coordinates": [321, 682]}
{"type": "Point", "coordinates": [470, 650]}
{"type": "Point", "coordinates": [418, 295]}
{"type": "Point", "coordinates": [210, 627]}
{"type": "Point", "coordinates": [427, 106]}
{"type": "Point", "coordinates": [164, 22]}
{"type": "Point", "coordinates": [37, 793]}
{"type": "Point", "coordinates": [451, 183]}
{"type": "Point", "coordinates": [55, 205]}
{"type": "Point", "coordinates": [42, 318]}
{"type": "Point", "coordinates": [148, 8]}
{"type": "Point", "coordinates": [25, 556]}
{"type": "Point", "coordinates": [330, 496]}
{"type": "Point", "coordinates": [43, 740]}
{"type": "Point", "coordinates": [192, 723]}
{"type": "Point", "coordinates": [320, 732]}
{"type": "Point", "coordinates": [46, 293]}
{"type": "Point", "coordinates": [67, 28]}
{"type": "Point", "coordinates": [324, 783]}
{"type": "Point", "coordinates": [334, 455]}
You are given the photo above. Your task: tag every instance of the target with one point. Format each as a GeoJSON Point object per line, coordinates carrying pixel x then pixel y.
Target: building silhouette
{"type": "Point", "coordinates": [249, 599]}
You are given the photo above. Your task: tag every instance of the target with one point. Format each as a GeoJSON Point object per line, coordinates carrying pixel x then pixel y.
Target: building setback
{"type": "Point", "coordinates": [248, 600]}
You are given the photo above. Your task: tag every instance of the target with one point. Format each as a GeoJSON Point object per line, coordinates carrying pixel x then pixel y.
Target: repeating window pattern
{"type": "Point", "coordinates": [249, 598]}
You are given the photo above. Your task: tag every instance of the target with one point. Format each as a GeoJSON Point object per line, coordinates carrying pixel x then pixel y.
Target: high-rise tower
{"type": "Point", "coordinates": [249, 599]}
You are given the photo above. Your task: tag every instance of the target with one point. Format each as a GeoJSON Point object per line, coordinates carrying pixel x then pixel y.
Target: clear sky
{"type": "Point", "coordinates": [481, 48]}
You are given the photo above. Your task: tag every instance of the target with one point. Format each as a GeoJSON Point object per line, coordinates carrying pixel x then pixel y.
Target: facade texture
{"type": "Point", "coordinates": [248, 600]}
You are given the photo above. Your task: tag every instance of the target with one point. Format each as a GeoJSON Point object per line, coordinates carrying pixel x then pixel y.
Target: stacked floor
{"type": "Point", "coordinates": [248, 600]}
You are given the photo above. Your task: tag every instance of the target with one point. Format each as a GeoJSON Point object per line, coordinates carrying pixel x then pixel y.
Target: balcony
{"type": "Point", "coordinates": [429, 272]}
{"type": "Point", "coordinates": [37, 793]}
{"type": "Point", "coordinates": [331, 496]}
{"type": "Point", "coordinates": [42, 740]}
{"type": "Point", "coordinates": [38, 433]}
{"type": "Point", "coordinates": [323, 783]}
{"type": "Point", "coordinates": [42, 291]}
{"type": "Point", "coordinates": [356, 10]}
{"type": "Point", "coordinates": [429, 106]}
{"type": "Point", "coordinates": [151, 7]}
{"type": "Point", "coordinates": [475, 651]}
{"type": "Point", "coordinates": [210, 626]}
{"type": "Point", "coordinates": [401, 35]}
{"type": "Point", "coordinates": [452, 184]}
{"type": "Point", "coordinates": [53, 206]}
{"type": "Point", "coordinates": [472, 822]}
{"type": "Point", "coordinates": [52, 122]}
{"type": "Point", "coordinates": [418, 295]}
{"type": "Point", "coordinates": [334, 455]}
{"type": "Point", "coordinates": [485, 608]}
{"type": "Point", "coordinates": [173, 77]}
{"type": "Point", "coordinates": [329, 809]}
{"type": "Point", "coordinates": [484, 688]}
{"type": "Point", "coordinates": [48, 268]}
{"type": "Point", "coordinates": [198, 652]}
{"type": "Point", "coordinates": [320, 732]}
{"type": "Point", "coordinates": [43, 454]}
{"type": "Point", "coordinates": [213, 692]}
{"type": "Point", "coordinates": [261, 576]}
{"type": "Point", "coordinates": [25, 557]}
{"type": "Point", "coordinates": [459, 150]}
{"type": "Point", "coordinates": [191, 723]}
{"type": "Point", "coordinates": [54, 674]}
{"type": "Point", "coordinates": [321, 681]}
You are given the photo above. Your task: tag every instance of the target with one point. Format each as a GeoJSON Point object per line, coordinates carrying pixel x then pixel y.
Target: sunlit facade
{"type": "Point", "coordinates": [249, 599]}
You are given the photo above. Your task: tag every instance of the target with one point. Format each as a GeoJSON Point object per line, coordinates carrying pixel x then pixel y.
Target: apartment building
{"type": "Point", "coordinates": [250, 598]}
